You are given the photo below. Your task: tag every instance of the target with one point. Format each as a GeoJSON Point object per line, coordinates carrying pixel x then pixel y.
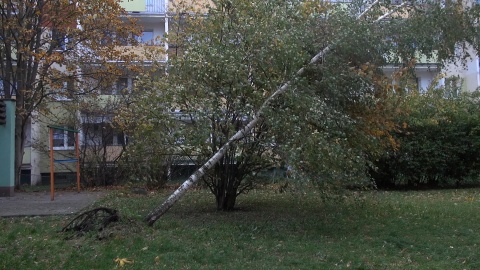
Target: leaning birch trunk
{"type": "Point", "coordinates": [177, 194]}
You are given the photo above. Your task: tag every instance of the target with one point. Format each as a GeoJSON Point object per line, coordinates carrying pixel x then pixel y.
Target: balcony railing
{"type": "Point", "coordinates": [155, 6]}
{"type": "Point", "coordinates": [145, 6]}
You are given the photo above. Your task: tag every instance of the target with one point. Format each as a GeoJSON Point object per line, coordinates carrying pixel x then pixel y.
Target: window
{"type": "Point", "coordinates": [122, 84]}
{"type": "Point", "coordinates": [406, 84]}
{"type": "Point", "coordinates": [102, 134]}
{"type": "Point", "coordinates": [2, 90]}
{"type": "Point", "coordinates": [63, 139]}
{"type": "Point", "coordinates": [413, 84]}
{"type": "Point", "coordinates": [12, 88]}
{"type": "Point", "coordinates": [65, 90]}
{"type": "Point", "coordinates": [111, 38]}
{"type": "Point", "coordinates": [147, 37]}
{"type": "Point", "coordinates": [107, 38]}
{"type": "Point", "coordinates": [119, 87]}
{"type": "Point", "coordinates": [69, 87]}
{"type": "Point", "coordinates": [452, 86]}
{"type": "Point", "coordinates": [59, 40]}
{"type": "Point", "coordinates": [420, 86]}
{"type": "Point", "coordinates": [107, 90]}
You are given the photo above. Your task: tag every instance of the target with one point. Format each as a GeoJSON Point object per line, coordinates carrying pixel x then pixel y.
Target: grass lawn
{"type": "Point", "coordinates": [367, 230]}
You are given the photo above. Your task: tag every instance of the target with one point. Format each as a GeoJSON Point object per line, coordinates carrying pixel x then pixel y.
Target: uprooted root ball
{"type": "Point", "coordinates": [93, 220]}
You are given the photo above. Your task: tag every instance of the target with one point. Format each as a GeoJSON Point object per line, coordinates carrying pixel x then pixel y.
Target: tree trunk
{"type": "Point", "coordinates": [226, 200]}
{"type": "Point", "coordinates": [19, 140]}
{"type": "Point", "coordinates": [225, 186]}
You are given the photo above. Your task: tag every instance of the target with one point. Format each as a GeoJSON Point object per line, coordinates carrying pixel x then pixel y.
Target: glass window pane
{"type": "Point", "coordinates": [70, 139]}
{"type": "Point", "coordinates": [147, 37]}
{"type": "Point", "coordinates": [57, 138]}
{"type": "Point", "coordinates": [122, 83]}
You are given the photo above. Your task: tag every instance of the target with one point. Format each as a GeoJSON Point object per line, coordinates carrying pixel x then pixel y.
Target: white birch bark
{"type": "Point", "coordinates": [155, 214]}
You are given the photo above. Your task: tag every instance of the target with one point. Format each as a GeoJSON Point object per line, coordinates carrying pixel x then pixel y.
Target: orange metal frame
{"type": "Point", "coordinates": [52, 160]}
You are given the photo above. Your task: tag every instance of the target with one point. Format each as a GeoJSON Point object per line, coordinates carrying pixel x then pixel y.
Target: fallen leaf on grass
{"type": "Point", "coordinates": [122, 262]}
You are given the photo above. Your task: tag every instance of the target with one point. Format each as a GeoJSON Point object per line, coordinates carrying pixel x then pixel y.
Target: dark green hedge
{"type": "Point", "coordinates": [439, 145]}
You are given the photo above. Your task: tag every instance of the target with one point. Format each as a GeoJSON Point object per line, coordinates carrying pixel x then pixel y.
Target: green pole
{"type": "Point", "coordinates": [7, 150]}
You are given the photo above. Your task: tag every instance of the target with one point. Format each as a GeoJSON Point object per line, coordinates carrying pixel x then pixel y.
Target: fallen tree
{"type": "Point", "coordinates": [156, 213]}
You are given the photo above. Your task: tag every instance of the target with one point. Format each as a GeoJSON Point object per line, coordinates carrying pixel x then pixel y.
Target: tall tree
{"type": "Point", "coordinates": [47, 44]}
{"type": "Point", "coordinates": [332, 88]}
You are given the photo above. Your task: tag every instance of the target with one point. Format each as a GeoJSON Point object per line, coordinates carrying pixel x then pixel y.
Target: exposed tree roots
{"type": "Point", "coordinates": [93, 220]}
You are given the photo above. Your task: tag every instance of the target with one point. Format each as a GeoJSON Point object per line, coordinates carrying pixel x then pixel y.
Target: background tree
{"type": "Point", "coordinates": [46, 44]}
{"type": "Point", "coordinates": [152, 148]}
{"type": "Point", "coordinates": [104, 143]}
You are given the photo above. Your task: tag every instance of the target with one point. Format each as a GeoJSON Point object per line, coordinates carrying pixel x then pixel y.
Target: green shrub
{"type": "Point", "coordinates": [439, 144]}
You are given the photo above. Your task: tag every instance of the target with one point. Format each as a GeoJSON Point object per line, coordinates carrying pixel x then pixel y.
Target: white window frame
{"type": "Point", "coordinates": [65, 145]}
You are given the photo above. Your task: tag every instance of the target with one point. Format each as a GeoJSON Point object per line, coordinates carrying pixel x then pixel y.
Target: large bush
{"type": "Point", "coordinates": [439, 143]}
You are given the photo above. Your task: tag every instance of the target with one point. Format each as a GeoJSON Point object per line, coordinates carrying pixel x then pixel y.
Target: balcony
{"type": "Point", "coordinates": [145, 6]}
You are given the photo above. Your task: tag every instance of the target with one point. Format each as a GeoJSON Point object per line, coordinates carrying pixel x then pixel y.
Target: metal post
{"type": "Point", "coordinates": [77, 153]}
{"type": "Point", "coordinates": [52, 168]}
